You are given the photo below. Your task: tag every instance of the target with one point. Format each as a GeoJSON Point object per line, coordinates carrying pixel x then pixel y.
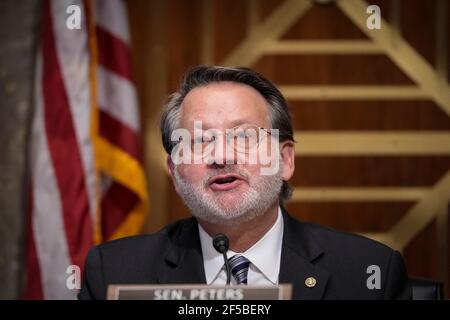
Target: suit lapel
{"type": "Point", "coordinates": [299, 251]}
{"type": "Point", "coordinates": [183, 262]}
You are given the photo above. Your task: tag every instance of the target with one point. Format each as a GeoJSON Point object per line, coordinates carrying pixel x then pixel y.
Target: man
{"type": "Point", "coordinates": [213, 130]}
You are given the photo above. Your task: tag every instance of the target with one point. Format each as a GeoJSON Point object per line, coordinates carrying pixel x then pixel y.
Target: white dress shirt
{"type": "Point", "coordinates": [264, 257]}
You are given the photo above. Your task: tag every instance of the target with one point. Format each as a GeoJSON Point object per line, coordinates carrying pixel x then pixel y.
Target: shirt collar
{"type": "Point", "coordinates": [268, 246]}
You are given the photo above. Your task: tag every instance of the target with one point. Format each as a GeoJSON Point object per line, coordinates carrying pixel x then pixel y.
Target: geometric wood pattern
{"type": "Point", "coordinates": [371, 107]}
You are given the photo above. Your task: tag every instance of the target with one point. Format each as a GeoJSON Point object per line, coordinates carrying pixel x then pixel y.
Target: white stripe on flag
{"type": "Point", "coordinates": [111, 16]}
{"type": "Point", "coordinates": [47, 219]}
{"type": "Point", "coordinates": [73, 56]}
{"type": "Point", "coordinates": [117, 96]}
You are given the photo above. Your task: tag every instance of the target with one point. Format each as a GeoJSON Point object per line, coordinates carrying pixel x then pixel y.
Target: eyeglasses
{"type": "Point", "coordinates": [243, 139]}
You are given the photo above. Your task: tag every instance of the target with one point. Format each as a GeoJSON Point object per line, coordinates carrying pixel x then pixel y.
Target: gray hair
{"type": "Point", "coordinates": [199, 76]}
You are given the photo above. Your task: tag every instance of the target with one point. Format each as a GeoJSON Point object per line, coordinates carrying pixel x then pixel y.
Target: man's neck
{"type": "Point", "coordinates": [243, 235]}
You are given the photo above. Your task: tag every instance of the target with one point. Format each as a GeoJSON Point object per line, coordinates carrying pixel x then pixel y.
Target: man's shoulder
{"type": "Point", "coordinates": [136, 259]}
{"type": "Point", "coordinates": [336, 242]}
{"type": "Point", "coordinates": [351, 259]}
{"type": "Point", "coordinates": [145, 244]}
{"type": "Point", "coordinates": [330, 235]}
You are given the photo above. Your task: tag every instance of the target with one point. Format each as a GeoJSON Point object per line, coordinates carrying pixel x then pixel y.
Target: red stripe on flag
{"type": "Point", "coordinates": [119, 134]}
{"type": "Point", "coordinates": [116, 204]}
{"type": "Point", "coordinates": [114, 54]}
{"type": "Point", "coordinates": [33, 287]}
{"type": "Point", "coordinates": [63, 147]}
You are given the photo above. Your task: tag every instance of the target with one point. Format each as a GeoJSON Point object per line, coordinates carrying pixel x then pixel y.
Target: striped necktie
{"type": "Point", "coordinates": [239, 268]}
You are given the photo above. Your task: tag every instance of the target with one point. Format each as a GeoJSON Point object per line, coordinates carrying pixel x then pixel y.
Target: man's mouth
{"type": "Point", "coordinates": [225, 182]}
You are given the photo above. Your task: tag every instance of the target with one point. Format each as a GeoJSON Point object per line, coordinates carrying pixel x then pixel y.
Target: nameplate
{"type": "Point", "coordinates": [199, 292]}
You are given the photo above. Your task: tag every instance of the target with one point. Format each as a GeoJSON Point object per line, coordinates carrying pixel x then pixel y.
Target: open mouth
{"type": "Point", "coordinates": [225, 182]}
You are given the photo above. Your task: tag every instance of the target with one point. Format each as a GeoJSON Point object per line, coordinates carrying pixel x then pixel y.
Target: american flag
{"type": "Point", "coordinates": [87, 179]}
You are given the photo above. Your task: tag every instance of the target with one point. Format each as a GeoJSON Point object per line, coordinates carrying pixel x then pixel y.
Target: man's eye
{"type": "Point", "coordinates": [246, 135]}
{"type": "Point", "coordinates": [202, 140]}
{"type": "Point", "coordinates": [241, 135]}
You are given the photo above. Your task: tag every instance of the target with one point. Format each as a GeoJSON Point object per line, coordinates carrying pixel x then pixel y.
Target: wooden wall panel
{"type": "Point", "coordinates": [149, 35]}
{"type": "Point", "coordinates": [266, 7]}
{"type": "Point", "coordinates": [336, 70]}
{"type": "Point", "coordinates": [386, 8]}
{"type": "Point", "coordinates": [230, 26]}
{"type": "Point", "coordinates": [324, 22]}
{"type": "Point", "coordinates": [184, 35]}
{"type": "Point", "coordinates": [421, 36]}
{"type": "Point", "coordinates": [369, 171]}
{"type": "Point", "coordinates": [369, 115]}
{"type": "Point", "coordinates": [415, 20]}
{"type": "Point", "coordinates": [350, 216]}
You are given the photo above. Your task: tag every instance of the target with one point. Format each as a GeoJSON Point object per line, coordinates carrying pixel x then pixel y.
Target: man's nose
{"type": "Point", "coordinates": [223, 153]}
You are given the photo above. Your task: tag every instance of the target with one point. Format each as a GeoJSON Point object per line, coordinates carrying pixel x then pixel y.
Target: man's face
{"type": "Point", "coordinates": [220, 189]}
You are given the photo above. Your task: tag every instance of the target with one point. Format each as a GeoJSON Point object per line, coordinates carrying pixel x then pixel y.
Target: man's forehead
{"type": "Point", "coordinates": [205, 124]}
{"type": "Point", "coordinates": [225, 103]}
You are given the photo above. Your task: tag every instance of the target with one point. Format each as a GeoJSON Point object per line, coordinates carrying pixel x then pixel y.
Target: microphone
{"type": "Point", "coordinates": [221, 243]}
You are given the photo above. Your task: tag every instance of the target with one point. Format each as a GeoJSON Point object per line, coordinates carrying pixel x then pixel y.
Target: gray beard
{"type": "Point", "coordinates": [264, 192]}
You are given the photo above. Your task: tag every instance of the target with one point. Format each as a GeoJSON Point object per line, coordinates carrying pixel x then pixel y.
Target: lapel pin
{"type": "Point", "coordinates": [310, 282]}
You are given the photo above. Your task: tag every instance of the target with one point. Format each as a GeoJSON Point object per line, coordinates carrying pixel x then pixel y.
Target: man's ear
{"type": "Point", "coordinates": [171, 170]}
{"type": "Point", "coordinates": [287, 152]}
{"type": "Point", "coordinates": [170, 166]}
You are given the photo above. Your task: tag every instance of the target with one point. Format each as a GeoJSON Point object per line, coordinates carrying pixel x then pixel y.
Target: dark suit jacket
{"type": "Point", "coordinates": [337, 260]}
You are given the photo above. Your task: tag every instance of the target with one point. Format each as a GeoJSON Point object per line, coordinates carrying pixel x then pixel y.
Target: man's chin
{"type": "Point", "coordinates": [228, 219]}
{"type": "Point", "coordinates": [227, 200]}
